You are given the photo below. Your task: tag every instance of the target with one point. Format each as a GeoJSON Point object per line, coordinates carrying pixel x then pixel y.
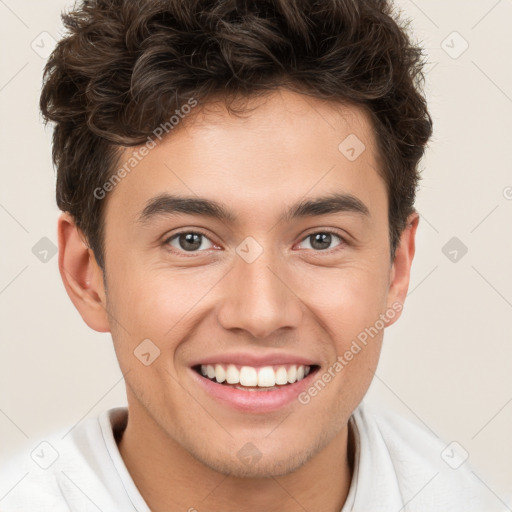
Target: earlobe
{"type": "Point", "coordinates": [81, 275]}
{"type": "Point", "coordinates": [401, 268]}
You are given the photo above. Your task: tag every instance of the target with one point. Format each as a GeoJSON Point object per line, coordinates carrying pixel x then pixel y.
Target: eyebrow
{"type": "Point", "coordinates": [166, 204]}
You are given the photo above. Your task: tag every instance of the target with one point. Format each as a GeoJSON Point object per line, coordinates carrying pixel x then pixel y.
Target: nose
{"type": "Point", "coordinates": [259, 298]}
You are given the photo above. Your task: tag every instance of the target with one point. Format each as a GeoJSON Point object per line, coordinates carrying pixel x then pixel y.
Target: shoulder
{"type": "Point", "coordinates": [427, 471]}
{"type": "Point", "coordinates": [71, 468]}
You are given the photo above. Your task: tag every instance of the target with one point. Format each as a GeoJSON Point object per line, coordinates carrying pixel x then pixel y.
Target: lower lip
{"type": "Point", "coordinates": [254, 401]}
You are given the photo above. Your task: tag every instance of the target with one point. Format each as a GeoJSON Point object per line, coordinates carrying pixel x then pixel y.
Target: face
{"type": "Point", "coordinates": [256, 287]}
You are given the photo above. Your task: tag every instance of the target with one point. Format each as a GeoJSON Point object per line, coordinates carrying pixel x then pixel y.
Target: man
{"type": "Point", "coordinates": [237, 181]}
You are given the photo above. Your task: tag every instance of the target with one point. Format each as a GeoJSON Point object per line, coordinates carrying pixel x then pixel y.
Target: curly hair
{"type": "Point", "coordinates": [124, 66]}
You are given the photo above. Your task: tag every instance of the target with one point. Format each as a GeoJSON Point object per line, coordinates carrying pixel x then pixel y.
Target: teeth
{"type": "Point", "coordinates": [248, 376]}
{"type": "Point", "coordinates": [281, 375]}
{"type": "Point", "coordinates": [263, 377]}
{"type": "Point", "coordinates": [220, 373]}
{"type": "Point", "coordinates": [266, 377]}
{"type": "Point", "coordinates": [232, 374]}
{"type": "Point", "coordinates": [292, 374]}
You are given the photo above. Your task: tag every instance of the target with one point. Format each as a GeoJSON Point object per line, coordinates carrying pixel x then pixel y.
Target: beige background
{"type": "Point", "coordinates": [447, 363]}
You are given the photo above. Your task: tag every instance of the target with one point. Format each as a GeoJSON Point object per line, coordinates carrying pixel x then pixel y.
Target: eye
{"type": "Point", "coordinates": [189, 241]}
{"type": "Point", "coordinates": [321, 240]}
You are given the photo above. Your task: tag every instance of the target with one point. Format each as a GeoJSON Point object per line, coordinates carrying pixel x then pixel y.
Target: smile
{"type": "Point", "coordinates": [250, 378]}
{"type": "Point", "coordinates": [254, 389]}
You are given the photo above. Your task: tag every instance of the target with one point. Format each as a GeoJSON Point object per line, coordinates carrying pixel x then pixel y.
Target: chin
{"type": "Point", "coordinates": [249, 462]}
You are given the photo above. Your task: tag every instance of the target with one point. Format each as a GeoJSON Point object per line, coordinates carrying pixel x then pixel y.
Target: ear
{"type": "Point", "coordinates": [81, 275]}
{"type": "Point", "coordinates": [401, 268]}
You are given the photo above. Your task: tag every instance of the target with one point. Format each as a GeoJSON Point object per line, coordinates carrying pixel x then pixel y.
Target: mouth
{"type": "Point", "coordinates": [255, 378]}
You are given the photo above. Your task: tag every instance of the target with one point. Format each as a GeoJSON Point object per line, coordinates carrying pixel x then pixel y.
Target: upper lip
{"type": "Point", "coordinates": [248, 359]}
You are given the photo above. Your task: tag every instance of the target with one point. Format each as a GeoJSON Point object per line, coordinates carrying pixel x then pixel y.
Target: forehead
{"type": "Point", "coordinates": [282, 147]}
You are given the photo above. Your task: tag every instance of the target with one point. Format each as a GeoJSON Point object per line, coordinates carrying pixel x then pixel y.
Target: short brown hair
{"type": "Point", "coordinates": [125, 66]}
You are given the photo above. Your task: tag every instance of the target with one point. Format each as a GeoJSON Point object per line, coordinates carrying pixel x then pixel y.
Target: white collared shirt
{"type": "Point", "coordinates": [399, 467]}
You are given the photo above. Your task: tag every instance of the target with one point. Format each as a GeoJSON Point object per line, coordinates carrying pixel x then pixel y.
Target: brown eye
{"type": "Point", "coordinates": [321, 240]}
{"type": "Point", "coordinates": [188, 241]}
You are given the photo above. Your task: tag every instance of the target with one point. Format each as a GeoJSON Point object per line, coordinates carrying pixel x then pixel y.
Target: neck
{"type": "Point", "coordinates": [169, 478]}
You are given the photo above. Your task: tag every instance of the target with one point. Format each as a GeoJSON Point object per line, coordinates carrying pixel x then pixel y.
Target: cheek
{"type": "Point", "coordinates": [152, 302]}
{"type": "Point", "coordinates": [348, 304]}
{"type": "Point", "coordinates": [141, 309]}
{"type": "Point", "coordinates": [345, 300]}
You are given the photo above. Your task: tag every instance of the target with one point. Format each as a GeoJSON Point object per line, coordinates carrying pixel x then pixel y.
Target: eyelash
{"type": "Point", "coordinates": [202, 233]}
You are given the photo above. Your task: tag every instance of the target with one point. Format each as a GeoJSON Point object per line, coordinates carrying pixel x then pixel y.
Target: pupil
{"type": "Point", "coordinates": [321, 240]}
{"type": "Point", "coordinates": [190, 241]}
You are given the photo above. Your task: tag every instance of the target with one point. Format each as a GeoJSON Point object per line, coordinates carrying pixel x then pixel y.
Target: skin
{"type": "Point", "coordinates": [180, 444]}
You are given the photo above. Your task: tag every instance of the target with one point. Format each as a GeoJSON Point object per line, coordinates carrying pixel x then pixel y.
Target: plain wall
{"type": "Point", "coordinates": [447, 363]}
